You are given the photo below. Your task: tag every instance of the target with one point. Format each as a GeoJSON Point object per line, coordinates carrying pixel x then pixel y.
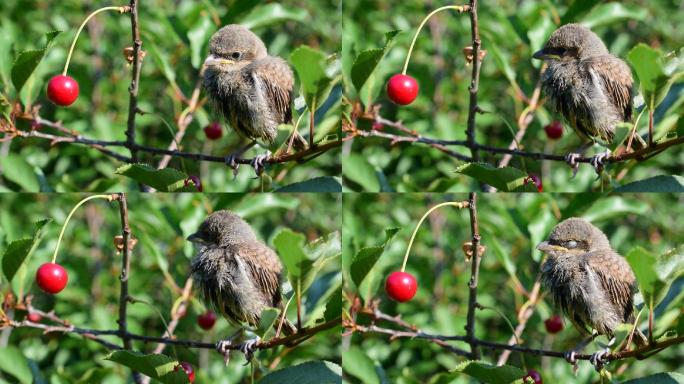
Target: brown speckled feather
{"type": "Point", "coordinates": [277, 79]}
{"type": "Point", "coordinates": [616, 278]}
{"type": "Point", "coordinates": [265, 268]}
{"type": "Point", "coordinates": [617, 81]}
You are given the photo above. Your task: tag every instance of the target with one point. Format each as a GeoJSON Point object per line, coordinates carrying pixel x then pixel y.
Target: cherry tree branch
{"type": "Point", "coordinates": [135, 81]}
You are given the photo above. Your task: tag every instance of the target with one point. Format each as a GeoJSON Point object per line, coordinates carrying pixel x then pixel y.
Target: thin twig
{"type": "Point", "coordinates": [125, 268]}
{"type": "Point", "coordinates": [475, 271]}
{"type": "Point", "coordinates": [135, 80]}
{"type": "Point", "coordinates": [473, 108]}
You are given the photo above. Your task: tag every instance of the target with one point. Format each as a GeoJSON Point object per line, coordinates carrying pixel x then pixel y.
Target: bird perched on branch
{"type": "Point", "coordinates": [590, 282]}
{"type": "Point", "coordinates": [587, 85]}
{"type": "Point", "coordinates": [236, 274]}
{"type": "Point", "coordinates": [252, 90]}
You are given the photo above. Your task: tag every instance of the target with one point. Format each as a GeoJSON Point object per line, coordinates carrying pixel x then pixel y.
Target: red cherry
{"type": "Point", "coordinates": [62, 90]}
{"type": "Point", "coordinates": [554, 130]}
{"type": "Point", "coordinates": [536, 180]}
{"type": "Point", "coordinates": [34, 317]}
{"type": "Point", "coordinates": [402, 89]}
{"type": "Point", "coordinates": [52, 277]}
{"type": "Point", "coordinates": [194, 180]}
{"type": "Point", "coordinates": [206, 320]}
{"type": "Point", "coordinates": [188, 370]}
{"type": "Point", "coordinates": [213, 131]}
{"type": "Point", "coordinates": [401, 286]}
{"type": "Point", "coordinates": [534, 375]}
{"type": "Point", "coordinates": [377, 126]}
{"type": "Point", "coordinates": [553, 324]}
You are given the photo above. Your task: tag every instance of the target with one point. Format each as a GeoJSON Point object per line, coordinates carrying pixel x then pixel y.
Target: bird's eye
{"type": "Point", "coordinates": [562, 51]}
{"type": "Point", "coordinates": [571, 244]}
{"type": "Point", "coordinates": [236, 55]}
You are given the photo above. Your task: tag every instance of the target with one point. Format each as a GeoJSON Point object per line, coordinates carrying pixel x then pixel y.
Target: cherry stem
{"type": "Point", "coordinates": [459, 8]}
{"type": "Point", "coordinates": [61, 234]}
{"type": "Point", "coordinates": [457, 204]}
{"type": "Point", "coordinates": [73, 43]}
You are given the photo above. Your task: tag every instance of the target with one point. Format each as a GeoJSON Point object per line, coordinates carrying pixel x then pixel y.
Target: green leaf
{"type": "Point", "coordinates": [487, 373]}
{"type": "Point", "coordinates": [290, 246]}
{"type": "Point", "coordinates": [322, 251]}
{"type": "Point", "coordinates": [613, 12]}
{"type": "Point", "coordinates": [163, 180]}
{"type": "Point", "coordinates": [644, 265]}
{"type": "Point", "coordinates": [13, 362]}
{"type": "Point", "coordinates": [199, 35]}
{"type": "Point", "coordinates": [17, 170]}
{"type": "Point", "coordinates": [323, 184]}
{"type": "Point", "coordinates": [366, 62]}
{"type": "Point", "coordinates": [507, 179]}
{"type": "Point", "coordinates": [19, 250]}
{"type": "Point", "coordinates": [333, 308]}
{"type": "Point", "coordinates": [312, 372]}
{"type": "Point", "coordinates": [365, 258]}
{"type": "Point", "coordinates": [159, 367]}
{"type": "Point", "coordinates": [273, 13]}
{"type": "Point", "coordinates": [28, 60]}
{"type": "Point", "coordinates": [266, 320]}
{"type": "Point", "coordinates": [356, 363]}
{"type": "Point", "coordinates": [577, 8]}
{"type": "Point", "coordinates": [658, 378]}
{"type": "Point", "coordinates": [657, 184]}
{"type": "Point", "coordinates": [311, 68]}
{"type": "Point", "coordinates": [655, 76]}
{"type": "Point", "coordinates": [357, 169]}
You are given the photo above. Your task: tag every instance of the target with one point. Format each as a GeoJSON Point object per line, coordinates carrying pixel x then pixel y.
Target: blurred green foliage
{"type": "Point", "coordinates": [511, 225]}
{"type": "Point", "coordinates": [510, 32]}
{"type": "Point", "coordinates": [175, 35]}
{"type": "Point", "coordinates": [159, 269]}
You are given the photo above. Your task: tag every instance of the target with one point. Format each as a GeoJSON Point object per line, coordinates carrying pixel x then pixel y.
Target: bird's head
{"type": "Point", "coordinates": [571, 42]}
{"type": "Point", "coordinates": [574, 237]}
{"type": "Point", "coordinates": [223, 228]}
{"type": "Point", "coordinates": [232, 47]}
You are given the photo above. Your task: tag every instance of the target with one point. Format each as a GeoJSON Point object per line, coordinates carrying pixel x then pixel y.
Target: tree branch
{"type": "Point", "coordinates": [135, 80]}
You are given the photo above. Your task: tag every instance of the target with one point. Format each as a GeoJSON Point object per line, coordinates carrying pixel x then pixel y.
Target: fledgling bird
{"type": "Point", "coordinates": [236, 274]}
{"type": "Point", "coordinates": [252, 90]}
{"type": "Point", "coordinates": [590, 282]}
{"type": "Point", "coordinates": [586, 84]}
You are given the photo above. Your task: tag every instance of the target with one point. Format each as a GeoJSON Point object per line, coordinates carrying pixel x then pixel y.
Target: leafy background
{"type": "Point", "coordinates": [511, 225]}
{"type": "Point", "coordinates": [159, 268]}
{"type": "Point", "coordinates": [511, 32]}
{"type": "Point", "coordinates": [175, 36]}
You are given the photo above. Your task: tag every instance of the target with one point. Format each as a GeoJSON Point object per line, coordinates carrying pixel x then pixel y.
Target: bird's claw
{"type": "Point", "coordinates": [570, 357]}
{"type": "Point", "coordinates": [223, 347]}
{"type": "Point", "coordinates": [259, 161]}
{"type": "Point", "coordinates": [231, 161]}
{"type": "Point", "coordinates": [598, 161]}
{"type": "Point", "coordinates": [571, 159]}
{"type": "Point", "coordinates": [249, 347]}
{"type": "Point", "coordinates": [597, 359]}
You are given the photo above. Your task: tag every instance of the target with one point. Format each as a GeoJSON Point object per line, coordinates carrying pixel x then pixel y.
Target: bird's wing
{"type": "Point", "coordinates": [264, 267]}
{"type": "Point", "coordinates": [616, 278]}
{"type": "Point", "coordinates": [277, 78]}
{"type": "Point", "coordinates": [616, 78]}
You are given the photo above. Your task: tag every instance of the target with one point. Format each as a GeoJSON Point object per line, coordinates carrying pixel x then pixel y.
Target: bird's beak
{"type": "Point", "coordinates": [543, 54]}
{"type": "Point", "coordinates": [212, 60]}
{"type": "Point", "coordinates": [194, 238]}
{"type": "Point", "coordinates": [544, 246]}
{"type": "Point", "coordinates": [539, 55]}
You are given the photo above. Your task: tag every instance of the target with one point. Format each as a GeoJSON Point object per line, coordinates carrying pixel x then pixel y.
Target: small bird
{"type": "Point", "coordinates": [587, 85]}
{"type": "Point", "coordinates": [590, 282]}
{"type": "Point", "coordinates": [236, 274]}
{"type": "Point", "coordinates": [252, 90]}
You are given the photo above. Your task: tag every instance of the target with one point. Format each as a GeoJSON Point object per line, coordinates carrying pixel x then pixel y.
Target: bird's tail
{"type": "Point", "coordinates": [299, 142]}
